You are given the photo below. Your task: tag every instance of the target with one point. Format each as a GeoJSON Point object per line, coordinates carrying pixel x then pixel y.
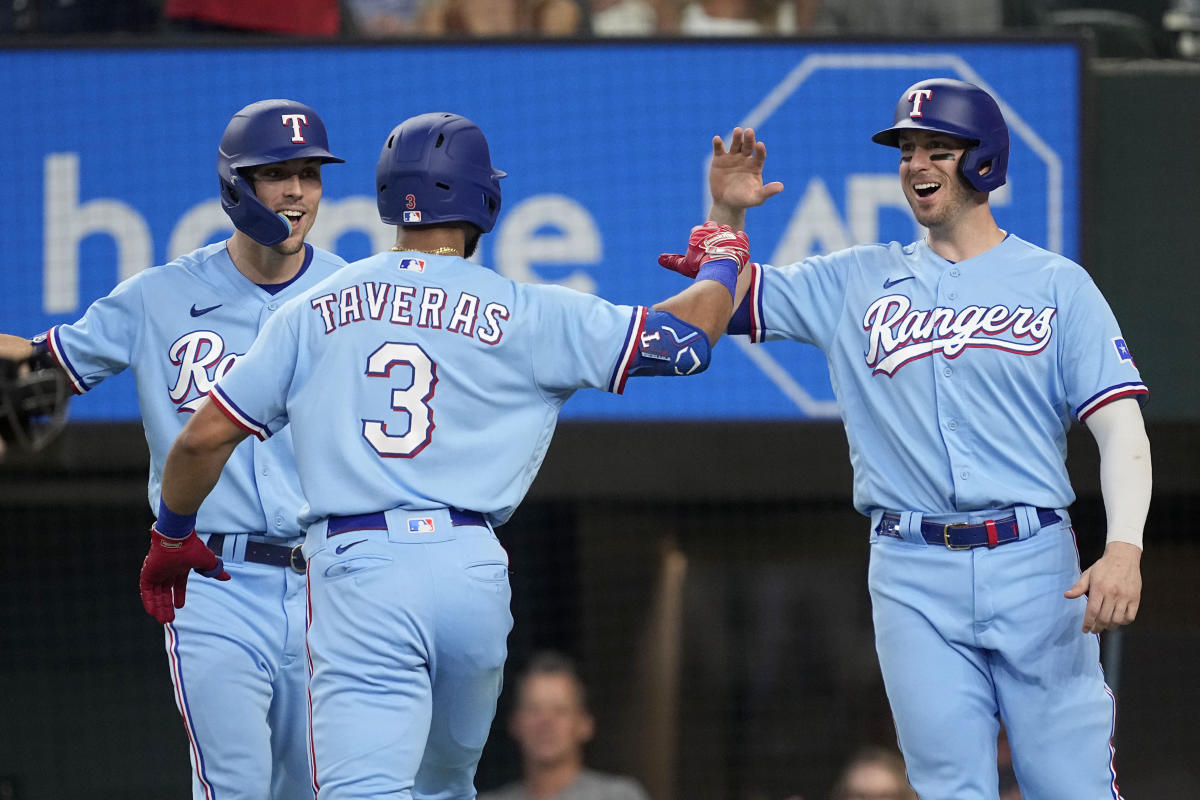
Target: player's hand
{"type": "Point", "coordinates": [14, 348]}
{"type": "Point", "coordinates": [735, 175]}
{"type": "Point", "coordinates": [163, 582]}
{"type": "Point", "coordinates": [1113, 586]}
{"type": "Point", "coordinates": [709, 242]}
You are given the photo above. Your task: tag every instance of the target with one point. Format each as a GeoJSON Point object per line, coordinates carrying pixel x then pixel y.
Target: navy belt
{"type": "Point", "coordinates": [275, 555]}
{"type": "Point", "coordinates": [378, 521]}
{"type": "Point", "coordinates": [963, 535]}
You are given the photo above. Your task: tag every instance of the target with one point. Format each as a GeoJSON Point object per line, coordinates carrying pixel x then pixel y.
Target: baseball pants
{"type": "Point", "coordinates": [236, 651]}
{"type": "Point", "coordinates": [407, 638]}
{"type": "Point", "coordinates": [966, 635]}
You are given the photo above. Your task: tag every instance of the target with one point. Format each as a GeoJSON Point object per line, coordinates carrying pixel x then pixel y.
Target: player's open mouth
{"type": "Point", "coordinates": [293, 217]}
{"type": "Point", "coordinates": [926, 189]}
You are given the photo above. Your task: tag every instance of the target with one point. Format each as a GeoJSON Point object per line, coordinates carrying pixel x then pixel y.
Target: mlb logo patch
{"type": "Point", "coordinates": [420, 524]}
{"type": "Point", "coordinates": [1122, 350]}
{"type": "Point", "coordinates": [412, 216]}
{"type": "Point", "coordinates": [412, 264]}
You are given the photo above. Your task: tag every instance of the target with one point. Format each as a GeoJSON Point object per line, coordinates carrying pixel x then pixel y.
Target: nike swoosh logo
{"type": "Point", "coordinates": [341, 548]}
{"type": "Point", "coordinates": [199, 312]}
{"type": "Point", "coordinates": [887, 284]}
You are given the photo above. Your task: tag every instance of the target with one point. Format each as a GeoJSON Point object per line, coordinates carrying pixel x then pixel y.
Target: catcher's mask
{"type": "Point", "coordinates": [34, 395]}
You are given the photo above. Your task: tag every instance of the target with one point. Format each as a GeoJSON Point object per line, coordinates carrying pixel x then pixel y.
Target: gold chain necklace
{"type": "Point", "coordinates": [437, 251]}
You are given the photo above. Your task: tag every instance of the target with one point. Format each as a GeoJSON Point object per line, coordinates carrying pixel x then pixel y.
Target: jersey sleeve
{"type": "Point", "coordinates": [253, 394]}
{"type": "Point", "coordinates": [105, 340]}
{"type": "Point", "coordinates": [799, 302]}
{"type": "Point", "coordinates": [1098, 365]}
{"type": "Point", "coordinates": [582, 340]}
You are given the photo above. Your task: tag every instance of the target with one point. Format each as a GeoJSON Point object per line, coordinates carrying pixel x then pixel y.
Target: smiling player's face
{"type": "Point", "coordinates": [291, 188]}
{"type": "Point", "coordinates": [929, 175]}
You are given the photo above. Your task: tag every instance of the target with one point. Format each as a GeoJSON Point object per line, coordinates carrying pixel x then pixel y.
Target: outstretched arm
{"type": "Point", "coordinates": [716, 257]}
{"type": "Point", "coordinates": [1113, 584]}
{"type": "Point", "coordinates": [735, 178]}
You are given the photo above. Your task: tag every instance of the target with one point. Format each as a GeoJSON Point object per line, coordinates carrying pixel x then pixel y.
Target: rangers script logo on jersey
{"type": "Point", "coordinates": [899, 334]}
{"type": "Point", "coordinates": [202, 361]}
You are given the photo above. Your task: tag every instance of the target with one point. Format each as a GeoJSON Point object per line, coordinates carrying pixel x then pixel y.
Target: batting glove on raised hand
{"type": "Point", "coordinates": [709, 242]}
{"type": "Point", "coordinates": [163, 582]}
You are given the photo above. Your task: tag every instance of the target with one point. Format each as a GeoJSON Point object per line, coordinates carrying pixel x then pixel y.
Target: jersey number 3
{"type": "Point", "coordinates": [412, 400]}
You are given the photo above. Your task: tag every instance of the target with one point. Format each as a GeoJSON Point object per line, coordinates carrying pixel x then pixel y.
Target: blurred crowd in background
{"type": "Point", "coordinates": [1120, 28]}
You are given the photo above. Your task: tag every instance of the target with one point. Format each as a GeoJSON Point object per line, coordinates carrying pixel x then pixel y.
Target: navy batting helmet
{"type": "Point", "coordinates": [266, 132]}
{"type": "Point", "coordinates": [959, 109]}
{"type": "Point", "coordinates": [437, 168]}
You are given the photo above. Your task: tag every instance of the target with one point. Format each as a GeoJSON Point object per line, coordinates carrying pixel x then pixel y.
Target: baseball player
{"type": "Point", "coordinates": [236, 652]}
{"type": "Point", "coordinates": [958, 362]}
{"type": "Point", "coordinates": [421, 391]}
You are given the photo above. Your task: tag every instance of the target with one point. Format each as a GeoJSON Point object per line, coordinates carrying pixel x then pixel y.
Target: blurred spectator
{"type": "Point", "coordinates": [555, 18]}
{"type": "Point", "coordinates": [746, 17]}
{"type": "Point", "coordinates": [1183, 19]}
{"type": "Point", "coordinates": [502, 18]}
{"type": "Point", "coordinates": [626, 17]}
{"type": "Point", "coordinates": [551, 724]}
{"type": "Point", "coordinates": [909, 17]}
{"type": "Point", "coordinates": [473, 18]}
{"type": "Point", "coordinates": [874, 773]}
{"type": "Point", "coordinates": [291, 17]}
{"type": "Point", "coordinates": [381, 19]}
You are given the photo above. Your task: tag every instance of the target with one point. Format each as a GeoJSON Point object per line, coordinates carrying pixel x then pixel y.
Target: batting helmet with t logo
{"type": "Point", "coordinates": [960, 109]}
{"type": "Point", "coordinates": [266, 132]}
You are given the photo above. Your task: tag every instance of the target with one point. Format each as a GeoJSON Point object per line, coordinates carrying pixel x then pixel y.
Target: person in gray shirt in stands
{"type": "Point", "coordinates": [551, 724]}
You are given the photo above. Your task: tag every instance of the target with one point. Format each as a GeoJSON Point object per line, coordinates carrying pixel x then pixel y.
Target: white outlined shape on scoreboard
{"type": "Point", "coordinates": [763, 360]}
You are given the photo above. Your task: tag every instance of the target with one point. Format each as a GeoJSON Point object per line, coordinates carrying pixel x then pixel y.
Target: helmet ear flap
{"type": "Point", "coordinates": [249, 214]}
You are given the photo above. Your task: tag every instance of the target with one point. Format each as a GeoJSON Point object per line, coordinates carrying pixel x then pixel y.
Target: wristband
{"type": "Point", "coordinates": [172, 525]}
{"type": "Point", "coordinates": [722, 270]}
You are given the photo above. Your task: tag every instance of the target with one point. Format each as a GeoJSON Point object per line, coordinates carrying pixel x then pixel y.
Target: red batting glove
{"type": "Point", "coordinates": [709, 242]}
{"type": "Point", "coordinates": [163, 581]}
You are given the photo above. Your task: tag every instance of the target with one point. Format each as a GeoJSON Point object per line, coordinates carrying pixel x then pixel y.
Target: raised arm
{"type": "Point", "coordinates": [735, 178]}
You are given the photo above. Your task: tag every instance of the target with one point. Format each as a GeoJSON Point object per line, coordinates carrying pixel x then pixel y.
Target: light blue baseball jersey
{"type": "Point", "coordinates": [180, 327]}
{"type": "Point", "coordinates": [418, 381]}
{"type": "Point", "coordinates": [957, 382]}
